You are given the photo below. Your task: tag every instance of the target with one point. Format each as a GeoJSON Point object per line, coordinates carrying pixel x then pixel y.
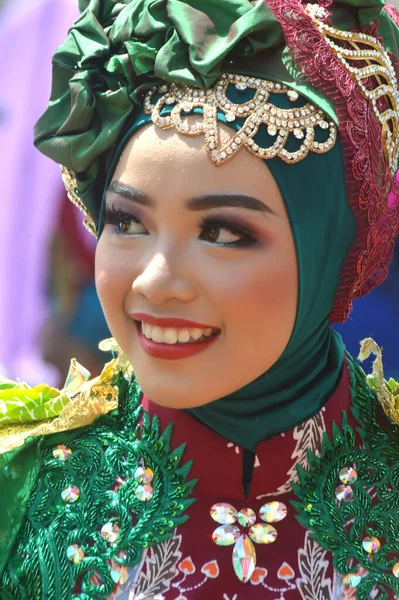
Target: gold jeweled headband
{"type": "Point", "coordinates": [301, 122]}
{"type": "Point", "coordinates": [298, 121]}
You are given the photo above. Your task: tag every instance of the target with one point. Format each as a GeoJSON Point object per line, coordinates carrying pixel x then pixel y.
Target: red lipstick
{"type": "Point", "coordinates": [171, 351]}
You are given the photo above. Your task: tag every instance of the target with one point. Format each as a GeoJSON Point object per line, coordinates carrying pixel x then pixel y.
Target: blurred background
{"type": "Point", "coordinates": [49, 310]}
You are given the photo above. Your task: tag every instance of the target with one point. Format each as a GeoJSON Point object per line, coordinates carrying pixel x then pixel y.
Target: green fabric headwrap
{"type": "Point", "coordinates": [305, 376]}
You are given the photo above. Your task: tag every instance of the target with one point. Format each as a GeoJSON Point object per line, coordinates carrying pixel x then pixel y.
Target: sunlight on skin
{"type": "Point", "coordinates": [169, 263]}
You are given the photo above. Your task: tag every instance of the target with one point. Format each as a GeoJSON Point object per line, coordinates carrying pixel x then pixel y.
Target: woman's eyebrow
{"type": "Point", "coordinates": [194, 204]}
{"type": "Point", "coordinates": [227, 200]}
{"type": "Point", "coordinates": [131, 193]}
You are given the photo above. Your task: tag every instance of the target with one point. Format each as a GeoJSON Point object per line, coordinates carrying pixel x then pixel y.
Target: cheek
{"type": "Point", "coordinates": [259, 291]}
{"type": "Point", "coordinates": [113, 281]}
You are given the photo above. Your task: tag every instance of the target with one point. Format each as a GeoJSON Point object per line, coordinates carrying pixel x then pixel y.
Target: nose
{"type": "Point", "coordinates": [163, 279]}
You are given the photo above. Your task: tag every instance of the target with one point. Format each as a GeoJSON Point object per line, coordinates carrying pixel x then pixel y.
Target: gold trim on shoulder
{"type": "Point", "coordinates": [71, 190]}
{"type": "Point", "coordinates": [84, 400]}
{"type": "Point", "coordinates": [387, 391]}
{"type": "Point", "coordinates": [300, 122]}
{"type": "Point", "coordinates": [369, 65]}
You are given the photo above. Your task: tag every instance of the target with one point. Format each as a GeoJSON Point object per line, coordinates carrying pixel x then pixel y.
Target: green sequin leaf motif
{"type": "Point", "coordinates": [88, 508]}
{"type": "Point", "coordinates": [349, 499]}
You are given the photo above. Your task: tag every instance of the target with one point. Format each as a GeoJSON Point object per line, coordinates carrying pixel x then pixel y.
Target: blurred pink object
{"type": "Point", "coordinates": [31, 188]}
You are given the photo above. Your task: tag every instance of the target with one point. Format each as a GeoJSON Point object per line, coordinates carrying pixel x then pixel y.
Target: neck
{"type": "Point", "coordinates": [292, 391]}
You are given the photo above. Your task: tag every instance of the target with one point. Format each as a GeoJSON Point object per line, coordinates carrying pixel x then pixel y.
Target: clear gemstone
{"type": "Point", "coordinates": [371, 544]}
{"type": "Point", "coordinates": [273, 512]}
{"type": "Point", "coordinates": [271, 130]}
{"type": "Point", "coordinates": [119, 573]}
{"type": "Point", "coordinates": [75, 553]}
{"type": "Point", "coordinates": [246, 517]}
{"type": "Point", "coordinates": [62, 453]}
{"type": "Point", "coordinates": [110, 532]}
{"type": "Point", "coordinates": [241, 86]}
{"type": "Point", "coordinates": [292, 95]}
{"type": "Point", "coordinates": [144, 475]}
{"type": "Point", "coordinates": [298, 133]}
{"type": "Point", "coordinates": [70, 494]}
{"type": "Point", "coordinates": [348, 475]}
{"type": "Point", "coordinates": [395, 569]}
{"type": "Point", "coordinates": [344, 493]}
{"type": "Point", "coordinates": [352, 580]}
{"type": "Point", "coordinates": [226, 535]}
{"type": "Point", "coordinates": [323, 124]}
{"type": "Point", "coordinates": [263, 534]}
{"type": "Point", "coordinates": [244, 558]}
{"type": "Point", "coordinates": [230, 117]}
{"type": "Point", "coordinates": [144, 493]}
{"type": "Point", "coordinates": [224, 513]}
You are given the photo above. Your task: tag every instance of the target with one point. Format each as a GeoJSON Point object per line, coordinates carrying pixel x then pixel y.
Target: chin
{"type": "Point", "coordinates": [171, 397]}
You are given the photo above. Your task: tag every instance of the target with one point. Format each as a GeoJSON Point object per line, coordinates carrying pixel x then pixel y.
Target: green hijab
{"type": "Point", "coordinates": [309, 370]}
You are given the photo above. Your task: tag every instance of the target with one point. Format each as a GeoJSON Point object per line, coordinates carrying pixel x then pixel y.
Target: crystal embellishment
{"type": "Point", "coordinates": [70, 494]}
{"type": "Point", "coordinates": [62, 453]}
{"type": "Point", "coordinates": [226, 535]}
{"type": "Point", "coordinates": [255, 112]}
{"type": "Point", "coordinates": [344, 493]}
{"type": "Point", "coordinates": [110, 532]}
{"type": "Point", "coordinates": [371, 545]}
{"type": "Point", "coordinates": [75, 553]}
{"type": "Point", "coordinates": [119, 573]}
{"type": "Point", "coordinates": [369, 65]}
{"type": "Point", "coordinates": [352, 580]}
{"type": "Point", "coordinates": [263, 534]}
{"type": "Point", "coordinates": [144, 475]}
{"type": "Point", "coordinates": [246, 517]}
{"type": "Point", "coordinates": [144, 493]}
{"type": "Point", "coordinates": [273, 512]}
{"type": "Point", "coordinates": [244, 558]}
{"type": "Point", "coordinates": [224, 513]}
{"type": "Point", "coordinates": [229, 533]}
{"type": "Point", "coordinates": [347, 475]}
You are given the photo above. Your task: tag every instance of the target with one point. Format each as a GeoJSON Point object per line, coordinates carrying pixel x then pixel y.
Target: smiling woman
{"type": "Point", "coordinates": [236, 160]}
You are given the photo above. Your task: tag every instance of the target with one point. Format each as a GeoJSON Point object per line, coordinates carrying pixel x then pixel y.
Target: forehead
{"type": "Point", "coordinates": [165, 162]}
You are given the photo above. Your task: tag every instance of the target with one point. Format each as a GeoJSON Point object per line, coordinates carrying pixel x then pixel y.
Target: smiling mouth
{"type": "Point", "coordinates": [178, 336]}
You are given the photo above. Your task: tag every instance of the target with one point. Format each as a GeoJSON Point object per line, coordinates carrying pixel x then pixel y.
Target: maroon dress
{"type": "Point", "coordinates": [191, 566]}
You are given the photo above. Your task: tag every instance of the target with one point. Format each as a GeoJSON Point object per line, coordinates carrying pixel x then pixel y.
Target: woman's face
{"type": "Point", "coordinates": [196, 268]}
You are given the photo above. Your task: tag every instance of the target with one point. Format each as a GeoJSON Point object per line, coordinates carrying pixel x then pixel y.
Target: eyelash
{"type": "Point", "coordinates": [115, 216]}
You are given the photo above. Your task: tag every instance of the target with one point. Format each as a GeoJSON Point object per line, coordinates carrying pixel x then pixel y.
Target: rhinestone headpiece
{"type": "Point", "coordinates": [301, 122]}
{"type": "Point", "coordinates": [370, 66]}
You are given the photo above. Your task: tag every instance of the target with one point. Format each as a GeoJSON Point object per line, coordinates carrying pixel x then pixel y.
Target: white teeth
{"type": "Point", "coordinates": [157, 335]}
{"type": "Point", "coordinates": [184, 336]}
{"type": "Point", "coordinates": [196, 334]}
{"type": "Point", "coordinates": [170, 335]}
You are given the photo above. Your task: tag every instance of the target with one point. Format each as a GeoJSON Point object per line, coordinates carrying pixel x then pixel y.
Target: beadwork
{"type": "Point", "coordinates": [229, 532]}
{"type": "Point", "coordinates": [85, 525]}
{"type": "Point", "coordinates": [301, 122]}
{"type": "Point", "coordinates": [369, 65]}
{"type": "Point", "coordinates": [360, 529]}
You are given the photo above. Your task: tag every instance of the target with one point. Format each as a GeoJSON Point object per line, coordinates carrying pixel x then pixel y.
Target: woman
{"type": "Point", "coordinates": [236, 160]}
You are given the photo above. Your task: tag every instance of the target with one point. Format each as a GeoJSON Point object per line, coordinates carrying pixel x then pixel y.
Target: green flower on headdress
{"type": "Point", "coordinates": [114, 47]}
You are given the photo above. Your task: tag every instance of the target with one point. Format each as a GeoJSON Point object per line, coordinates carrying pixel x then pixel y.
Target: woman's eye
{"type": "Point", "coordinates": [224, 234]}
{"type": "Point", "coordinates": [123, 222]}
{"type": "Point", "coordinates": [130, 226]}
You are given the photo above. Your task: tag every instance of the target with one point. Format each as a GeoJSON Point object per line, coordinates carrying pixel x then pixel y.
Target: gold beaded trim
{"type": "Point", "coordinates": [301, 122]}
{"type": "Point", "coordinates": [71, 189]}
{"type": "Point", "coordinates": [375, 64]}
